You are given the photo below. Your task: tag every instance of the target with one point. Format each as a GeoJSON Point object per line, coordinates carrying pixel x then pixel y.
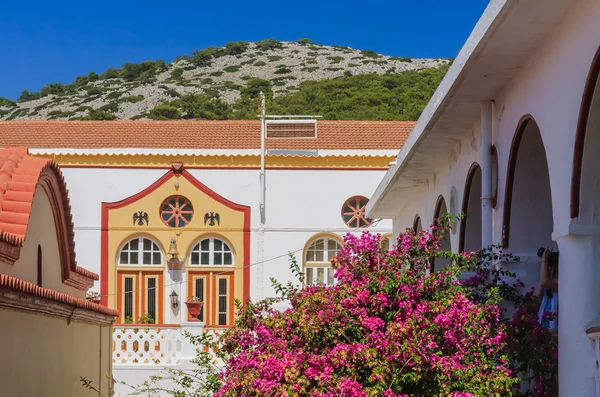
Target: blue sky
{"type": "Point", "coordinates": [44, 42]}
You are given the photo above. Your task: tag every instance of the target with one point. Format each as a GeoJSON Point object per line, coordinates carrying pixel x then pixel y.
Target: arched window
{"type": "Point", "coordinates": [417, 225]}
{"type": "Point", "coordinates": [211, 251]}
{"type": "Point", "coordinates": [140, 251]}
{"type": "Point", "coordinates": [317, 260]}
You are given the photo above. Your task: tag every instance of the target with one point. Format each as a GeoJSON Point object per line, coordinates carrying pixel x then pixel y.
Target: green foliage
{"type": "Point", "coordinates": [7, 102]}
{"type": "Point", "coordinates": [95, 91]}
{"type": "Point", "coordinates": [17, 113]}
{"type": "Point", "coordinates": [57, 114]}
{"type": "Point", "coordinates": [236, 48]}
{"type": "Point", "coordinates": [309, 69]}
{"type": "Point", "coordinates": [268, 44]}
{"type": "Point", "coordinates": [255, 86]}
{"type": "Point", "coordinates": [369, 54]}
{"type": "Point", "coordinates": [403, 59]}
{"type": "Point", "coordinates": [400, 96]}
{"type": "Point", "coordinates": [216, 74]}
{"type": "Point", "coordinates": [110, 107]}
{"type": "Point", "coordinates": [260, 63]}
{"type": "Point", "coordinates": [53, 89]}
{"type": "Point", "coordinates": [282, 71]}
{"type": "Point", "coordinates": [83, 109]}
{"type": "Point", "coordinates": [232, 68]}
{"type": "Point", "coordinates": [275, 58]}
{"type": "Point", "coordinates": [4, 112]}
{"type": "Point", "coordinates": [131, 98]}
{"type": "Point", "coordinates": [144, 71]}
{"type": "Point", "coordinates": [165, 111]}
{"type": "Point", "coordinates": [177, 74]}
{"type": "Point", "coordinates": [115, 94]}
{"type": "Point", "coordinates": [28, 96]}
{"type": "Point", "coordinates": [204, 57]}
{"type": "Point", "coordinates": [97, 114]}
{"type": "Point", "coordinates": [110, 73]}
{"type": "Point", "coordinates": [336, 59]}
{"type": "Point", "coordinates": [304, 41]}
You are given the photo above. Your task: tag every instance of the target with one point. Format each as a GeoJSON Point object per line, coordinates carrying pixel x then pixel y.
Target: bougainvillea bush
{"type": "Point", "coordinates": [389, 328]}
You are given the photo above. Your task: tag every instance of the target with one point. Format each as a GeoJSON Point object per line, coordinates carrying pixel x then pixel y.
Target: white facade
{"type": "Point", "coordinates": [299, 205]}
{"type": "Point", "coordinates": [529, 63]}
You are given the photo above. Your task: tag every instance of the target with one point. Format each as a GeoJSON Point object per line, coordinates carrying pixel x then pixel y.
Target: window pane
{"type": "Point", "coordinates": [200, 294]}
{"type": "Point", "coordinates": [228, 259]}
{"type": "Point", "coordinates": [204, 245]}
{"type": "Point", "coordinates": [147, 245]}
{"type": "Point", "coordinates": [330, 272]}
{"type": "Point", "coordinates": [222, 301]}
{"type": "Point", "coordinates": [152, 298]}
{"type": "Point", "coordinates": [226, 247]}
{"type": "Point", "coordinates": [128, 312]}
{"type": "Point", "coordinates": [218, 259]}
{"type": "Point", "coordinates": [205, 259]}
{"type": "Point", "coordinates": [218, 245]}
{"type": "Point", "coordinates": [310, 256]}
{"type": "Point", "coordinates": [195, 258]}
{"type": "Point", "coordinates": [319, 256]}
{"type": "Point", "coordinates": [134, 244]}
{"type": "Point", "coordinates": [155, 247]}
{"type": "Point", "coordinates": [123, 258]}
{"type": "Point", "coordinates": [156, 258]}
{"type": "Point", "coordinates": [320, 276]}
{"type": "Point", "coordinates": [126, 246]}
{"type": "Point", "coordinates": [319, 244]}
{"type": "Point", "coordinates": [147, 258]}
{"type": "Point", "coordinates": [133, 258]}
{"type": "Point", "coordinates": [309, 276]}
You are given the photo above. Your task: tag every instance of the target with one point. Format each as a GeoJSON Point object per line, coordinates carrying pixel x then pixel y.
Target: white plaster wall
{"type": "Point", "coordinates": [550, 88]}
{"type": "Point", "coordinates": [299, 204]}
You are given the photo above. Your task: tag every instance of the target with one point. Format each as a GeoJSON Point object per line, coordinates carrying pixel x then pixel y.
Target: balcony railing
{"type": "Point", "coordinates": [147, 344]}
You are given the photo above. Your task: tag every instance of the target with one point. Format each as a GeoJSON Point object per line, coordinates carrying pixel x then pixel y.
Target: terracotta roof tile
{"type": "Point", "coordinates": [19, 174]}
{"type": "Point", "coordinates": [198, 134]}
{"type": "Point", "coordinates": [50, 294]}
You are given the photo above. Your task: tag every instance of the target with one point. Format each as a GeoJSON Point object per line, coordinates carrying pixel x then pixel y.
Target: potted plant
{"type": "Point", "coordinates": [194, 305]}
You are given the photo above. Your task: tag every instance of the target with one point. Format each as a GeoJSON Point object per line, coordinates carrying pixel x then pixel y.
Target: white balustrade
{"type": "Point", "coordinates": [146, 344]}
{"type": "Point", "coordinates": [594, 334]}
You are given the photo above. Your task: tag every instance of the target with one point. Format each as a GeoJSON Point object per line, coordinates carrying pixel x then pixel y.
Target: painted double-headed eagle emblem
{"type": "Point", "coordinates": [212, 218]}
{"type": "Point", "coordinates": [140, 217]}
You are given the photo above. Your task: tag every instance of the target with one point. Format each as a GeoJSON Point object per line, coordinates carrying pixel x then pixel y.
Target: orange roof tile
{"type": "Point", "coordinates": [50, 294]}
{"type": "Point", "coordinates": [19, 175]}
{"type": "Point", "coordinates": [199, 134]}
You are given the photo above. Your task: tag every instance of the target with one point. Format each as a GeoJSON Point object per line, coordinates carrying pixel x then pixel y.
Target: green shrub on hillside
{"type": "Point", "coordinates": [96, 114]}
{"type": "Point", "coordinates": [165, 111]}
{"type": "Point", "coordinates": [369, 54]}
{"type": "Point", "coordinates": [304, 41]}
{"type": "Point", "coordinates": [260, 63]}
{"type": "Point", "coordinates": [177, 73]}
{"type": "Point", "coordinates": [232, 68]}
{"type": "Point", "coordinates": [131, 98]}
{"type": "Point", "coordinates": [28, 96]}
{"type": "Point", "coordinates": [110, 73]}
{"type": "Point", "coordinates": [236, 48]}
{"type": "Point", "coordinates": [268, 44]}
{"type": "Point", "coordinates": [7, 102]}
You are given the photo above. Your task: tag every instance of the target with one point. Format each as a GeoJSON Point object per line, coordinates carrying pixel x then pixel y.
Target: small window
{"type": "Point", "coordinates": [211, 251]}
{"type": "Point", "coordinates": [140, 251]}
{"type": "Point", "coordinates": [128, 312]}
{"type": "Point", "coordinates": [176, 211]}
{"type": "Point", "coordinates": [222, 301]}
{"type": "Point", "coordinates": [317, 267]}
{"type": "Point", "coordinates": [353, 212]}
{"type": "Point", "coordinates": [152, 295]}
{"type": "Point", "coordinates": [199, 293]}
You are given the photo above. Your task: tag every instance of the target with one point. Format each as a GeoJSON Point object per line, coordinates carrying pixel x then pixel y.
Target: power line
{"type": "Point", "coordinates": [375, 222]}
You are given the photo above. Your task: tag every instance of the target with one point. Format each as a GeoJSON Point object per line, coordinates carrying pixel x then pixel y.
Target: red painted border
{"type": "Point", "coordinates": [465, 205]}
{"type": "Point", "coordinates": [584, 114]}
{"type": "Point", "coordinates": [162, 180]}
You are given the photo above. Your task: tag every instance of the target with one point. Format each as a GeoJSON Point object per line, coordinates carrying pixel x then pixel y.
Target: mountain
{"type": "Point", "coordinates": [224, 83]}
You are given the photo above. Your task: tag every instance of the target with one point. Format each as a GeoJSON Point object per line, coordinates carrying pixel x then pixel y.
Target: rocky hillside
{"type": "Point", "coordinates": [134, 90]}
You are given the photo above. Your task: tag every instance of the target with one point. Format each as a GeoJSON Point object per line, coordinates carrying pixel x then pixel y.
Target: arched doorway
{"type": "Point", "coordinates": [585, 184]}
{"type": "Point", "coordinates": [528, 219]}
{"type": "Point", "coordinates": [440, 211]}
{"type": "Point", "coordinates": [470, 225]}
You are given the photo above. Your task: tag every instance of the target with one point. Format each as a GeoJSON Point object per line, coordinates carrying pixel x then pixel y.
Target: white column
{"type": "Point", "coordinates": [188, 350]}
{"type": "Point", "coordinates": [486, 174]}
{"type": "Point", "coordinates": [579, 309]}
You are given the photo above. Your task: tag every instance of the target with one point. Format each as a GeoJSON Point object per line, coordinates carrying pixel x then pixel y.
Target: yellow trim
{"type": "Point", "coordinates": [250, 161]}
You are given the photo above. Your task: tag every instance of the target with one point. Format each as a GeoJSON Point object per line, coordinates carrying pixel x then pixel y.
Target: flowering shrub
{"type": "Point", "coordinates": [387, 328]}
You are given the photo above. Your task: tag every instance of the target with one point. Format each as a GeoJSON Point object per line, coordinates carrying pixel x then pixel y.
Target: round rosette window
{"type": "Point", "coordinates": [353, 212]}
{"type": "Point", "coordinates": [176, 211]}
